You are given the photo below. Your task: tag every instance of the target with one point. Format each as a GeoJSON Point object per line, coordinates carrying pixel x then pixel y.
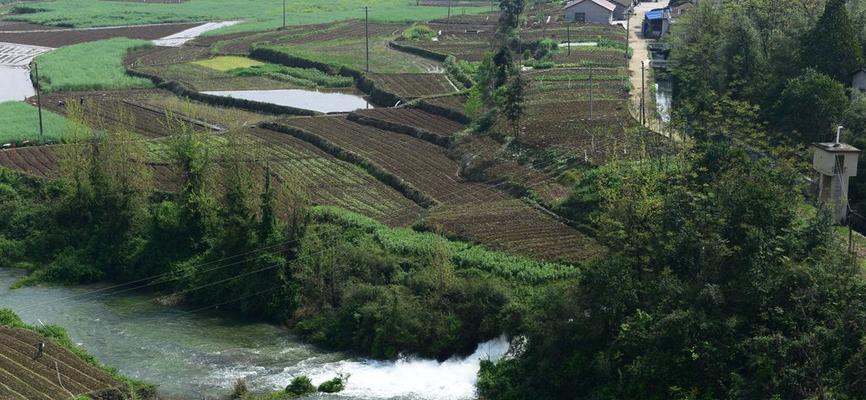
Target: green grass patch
{"type": "Point", "coordinates": [226, 63]}
{"type": "Point", "coordinates": [408, 242]}
{"type": "Point", "coordinates": [90, 66]}
{"type": "Point", "coordinates": [309, 77]}
{"type": "Point", "coordinates": [20, 122]}
{"type": "Point", "coordinates": [256, 14]}
{"type": "Point", "coordinates": [351, 53]}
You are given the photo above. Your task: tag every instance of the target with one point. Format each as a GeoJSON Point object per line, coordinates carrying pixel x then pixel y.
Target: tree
{"type": "Point", "coordinates": [512, 106]}
{"type": "Point", "coordinates": [809, 106]}
{"type": "Point", "coordinates": [509, 17]}
{"type": "Point", "coordinates": [716, 287]}
{"type": "Point", "coordinates": [832, 47]}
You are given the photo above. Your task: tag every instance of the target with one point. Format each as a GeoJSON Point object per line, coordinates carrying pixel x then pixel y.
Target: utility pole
{"type": "Point", "coordinates": [568, 34]}
{"type": "Point", "coordinates": [590, 92]}
{"type": "Point", "coordinates": [39, 102]}
{"type": "Point", "coordinates": [642, 94]}
{"type": "Point", "coordinates": [367, 34]}
{"type": "Point", "coordinates": [284, 14]}
{"type": "Point", "coordinates": [449, 9]}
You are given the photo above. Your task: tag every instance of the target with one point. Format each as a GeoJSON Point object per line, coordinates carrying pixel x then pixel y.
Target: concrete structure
{"type": "Point", "coordinates": [835, 162]}
{"type": "Point", "coordinates": [858, 81]}
{"type": "Point", "coordinates": [656, 23]}
{"type": "Point", "coordinates": [589, 11]}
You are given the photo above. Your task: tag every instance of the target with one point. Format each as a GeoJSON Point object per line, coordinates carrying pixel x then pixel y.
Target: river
{"type": "Point", "coordinates": [190, 355]}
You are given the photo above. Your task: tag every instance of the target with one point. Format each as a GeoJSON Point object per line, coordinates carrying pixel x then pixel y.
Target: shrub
{"type": "Point", "coordinates": [334, 385]}
{"type": "Point", "coordinates": [419, 32]}
{"type": "Point", "coordinates": [240, 390]}
{"type": "Point", "coordinates": [300, 386]}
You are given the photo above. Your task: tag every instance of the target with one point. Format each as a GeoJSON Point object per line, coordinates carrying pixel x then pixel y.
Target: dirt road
{"type": "Point", "coordinates": [638, 44]}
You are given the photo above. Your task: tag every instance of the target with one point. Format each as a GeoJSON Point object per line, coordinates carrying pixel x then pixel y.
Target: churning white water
{"type": "Point", "coordinates": [409, 378]}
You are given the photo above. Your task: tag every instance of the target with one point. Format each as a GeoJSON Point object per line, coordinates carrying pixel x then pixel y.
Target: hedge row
{"type": "Point", "coordinates": [383, 176]}
{"type": "Point", "coordinates": [418, 51]}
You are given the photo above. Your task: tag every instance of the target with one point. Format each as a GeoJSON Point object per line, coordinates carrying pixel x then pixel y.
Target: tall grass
{"type": "Point", "coordinates": [256, 14]}
{"type": "Point", "coordinates": [90, 66]}
{"type": "Point", "coordinates": [20, 121]}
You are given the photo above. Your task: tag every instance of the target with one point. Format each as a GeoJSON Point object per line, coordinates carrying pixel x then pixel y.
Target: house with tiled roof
{"type": "Point", "coordinates": [589, 11]}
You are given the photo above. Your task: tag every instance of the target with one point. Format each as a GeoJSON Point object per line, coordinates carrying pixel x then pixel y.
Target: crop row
{"type": "Point", "coordinates": [423, 165]}
{"type": "Point", "coordinates": [56, 374]}
{"type": "Point", "coordinates": [412, 86]}
{"type": "Point", "coordinates": [414, 118]}
{"type": "Point", "coordinates": [511, 225]}
{"type": "Point", "coordinates": [330, 181]}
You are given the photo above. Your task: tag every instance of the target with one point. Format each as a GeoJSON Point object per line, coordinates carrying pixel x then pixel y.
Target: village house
{"type": "Point", "coordinates": [589, 11]}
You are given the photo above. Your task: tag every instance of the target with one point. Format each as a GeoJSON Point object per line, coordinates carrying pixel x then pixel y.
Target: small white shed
{"type": "Point", "coordinates": [589, 11]}
{"type": "Point", "coordinates": [835, 162]}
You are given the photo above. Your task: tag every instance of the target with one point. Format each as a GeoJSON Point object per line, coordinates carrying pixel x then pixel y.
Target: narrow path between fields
{"type": "Point", "coordinates": [640, 53]}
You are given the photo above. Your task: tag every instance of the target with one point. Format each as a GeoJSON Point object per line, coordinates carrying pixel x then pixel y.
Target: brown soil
{"type": "Point", "coordinates": [56, 374]}
{"type": "Point", "coordinates": [53, 37]}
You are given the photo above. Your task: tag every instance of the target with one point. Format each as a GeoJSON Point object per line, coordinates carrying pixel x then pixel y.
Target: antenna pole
{"type": "Point", "coordinates": [39, 102]}
{"type": "Point", "coordinates": [284, 14]}
{"type": "Point", "coordinates": [367, 34]}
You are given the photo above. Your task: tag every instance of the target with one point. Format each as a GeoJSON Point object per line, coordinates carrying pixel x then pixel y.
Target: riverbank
{"type": "Point", "coordinates": [192, 354]}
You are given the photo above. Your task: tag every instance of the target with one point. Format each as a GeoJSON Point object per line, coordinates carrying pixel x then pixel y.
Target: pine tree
{"type": "Point", "coordinates": [832, 47]}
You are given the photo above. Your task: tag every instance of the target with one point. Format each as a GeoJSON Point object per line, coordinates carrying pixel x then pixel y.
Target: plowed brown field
{"type": "Point", "coordinates": [56, 374]}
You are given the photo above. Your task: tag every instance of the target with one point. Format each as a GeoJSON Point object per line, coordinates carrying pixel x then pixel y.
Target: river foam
{"type": "Point", "coordinates": [408, 378]}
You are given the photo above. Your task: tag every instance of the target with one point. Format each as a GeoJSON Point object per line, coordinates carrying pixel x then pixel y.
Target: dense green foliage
{"type": "Point", "coordinates": [58, 335]}
{"type": "Point", "coordinates": [19, 122]}
{"type": "Point", "coordinates": [752, 65]}
{"type": "Point", "coordinates": [90, 66]}
{"type": "Point", "coordinates": [719, 286]}
{"type": "Point", "coordinates": [307, 77]}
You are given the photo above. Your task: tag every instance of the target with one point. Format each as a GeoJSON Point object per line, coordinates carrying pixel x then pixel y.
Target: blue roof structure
{"type": "Point", "coordinates": [658, 13]}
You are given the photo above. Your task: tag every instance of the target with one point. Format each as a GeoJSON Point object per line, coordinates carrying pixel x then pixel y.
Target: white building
{"type": "Point", "coordinates": [836, 163]}
{"type": "Point", "coordinates": [589, 11]}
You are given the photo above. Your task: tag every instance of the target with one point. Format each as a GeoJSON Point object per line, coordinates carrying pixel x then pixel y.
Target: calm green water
{"type": "Point", "coordinates": [190, 355]}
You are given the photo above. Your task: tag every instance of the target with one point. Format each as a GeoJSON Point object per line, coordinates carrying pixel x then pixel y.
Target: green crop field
{"type": "Point", "coordinates": [20, 121]}
{"type": "Point", "coordinates": [350, 52]}
{"type": "Point", "coordinates": [90, 66]}
{"type": "Point", "coordinates": [256, 14]}
{"type": "Point", "coordinates": [226, 63]}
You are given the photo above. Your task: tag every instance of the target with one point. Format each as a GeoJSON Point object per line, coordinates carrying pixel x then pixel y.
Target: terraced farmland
{"type": "Point", "coordinates": [333, 182]}
{"type": "Point", "coordinates": [412, 86]}
{"type": "Point", "coordinates": [56, 374]}
{"type": "Point", "coordinates": [423, 165]}
{"type": "Point", "coordinates": [511, 225]}
{"type": "Point", "coordinates": [427, 168]}
{"type": "Point", "coordinates": [413, 121]}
